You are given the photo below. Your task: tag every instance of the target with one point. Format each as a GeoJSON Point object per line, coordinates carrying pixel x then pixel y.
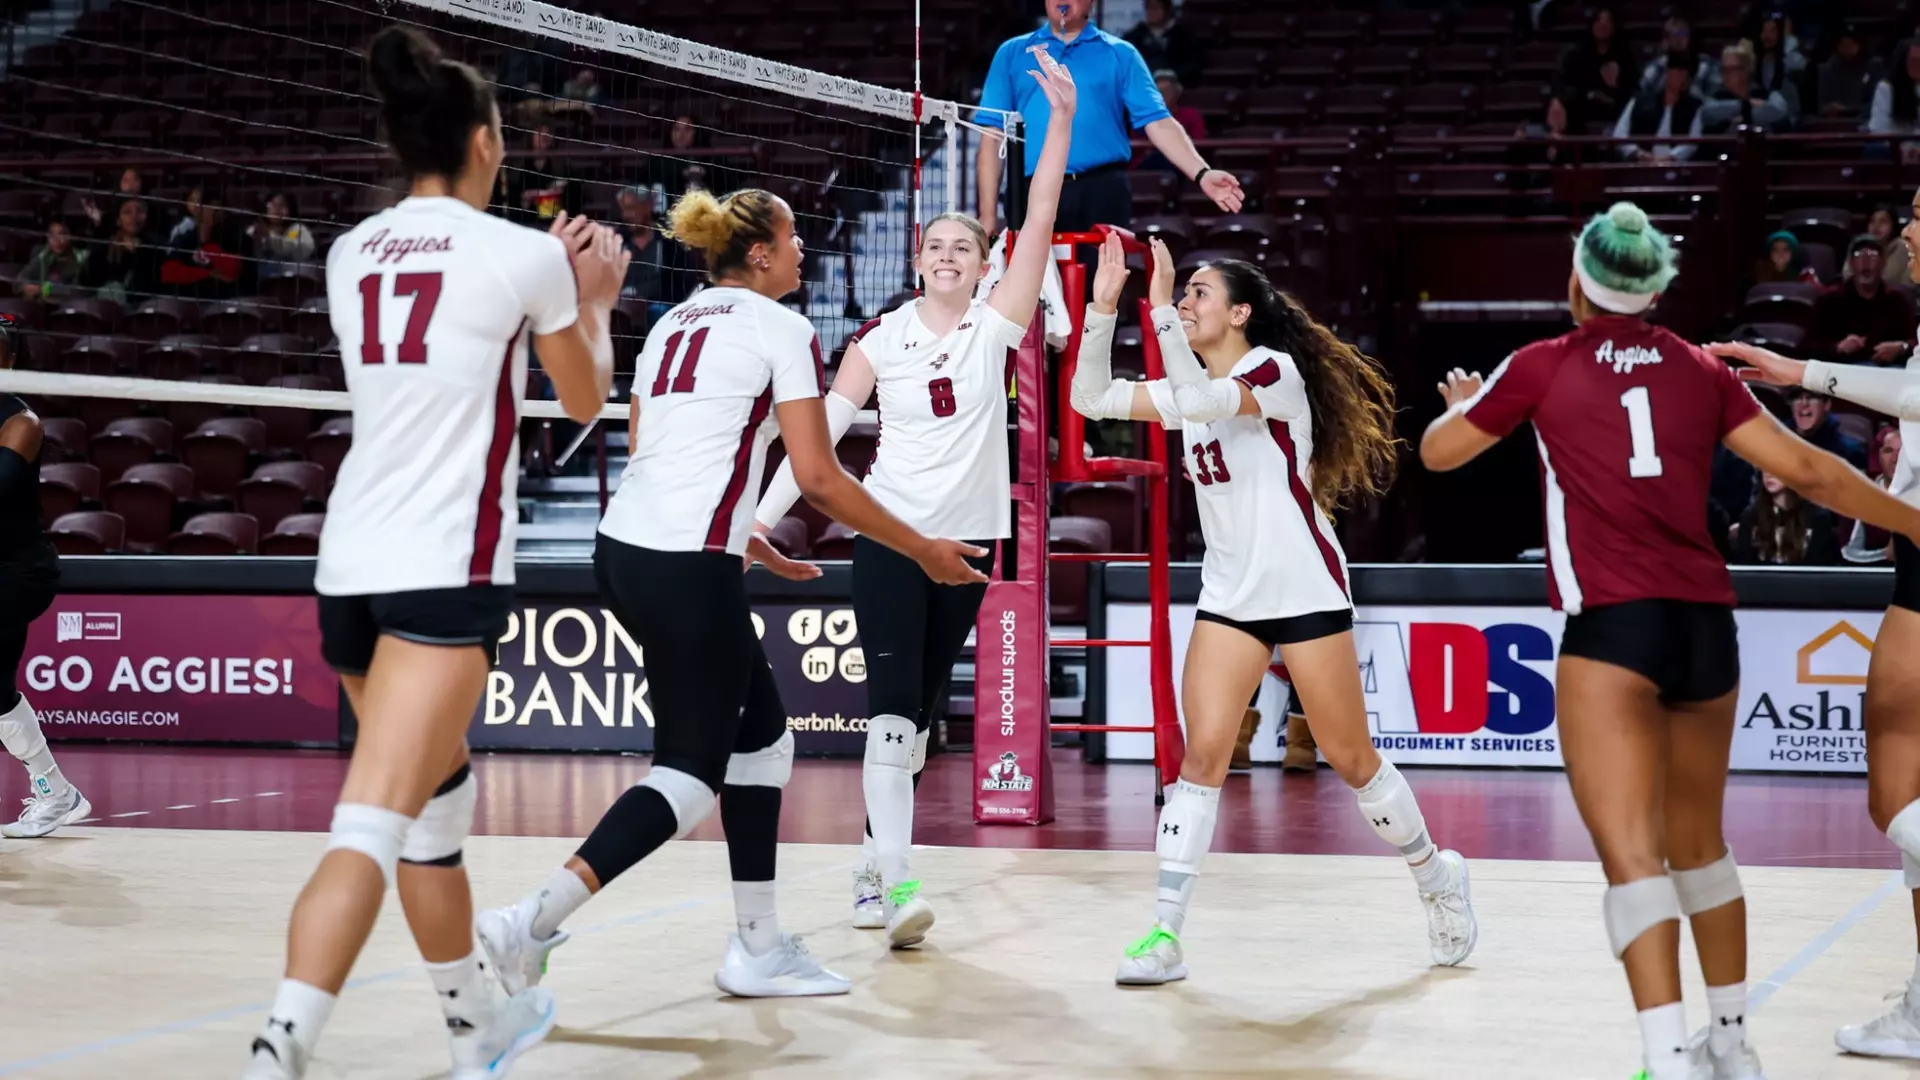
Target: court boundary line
{"type": "Point", "coordinates": [1825, 940]}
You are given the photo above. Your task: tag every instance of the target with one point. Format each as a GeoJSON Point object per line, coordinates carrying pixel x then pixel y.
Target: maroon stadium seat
{"type": "Point", "coordinates": [216, 534]}
{"type": "Point", "coordinates": [160, 316]}
{"type": "Point", "coordinates": [147, 505]}
{"type": "Point", "coordinates": [1117, 504]}
{"type": "Point", "coordinates": [57, 498]}
{"type": "Point", "coordinates": [219, 453]}
{"type": "Point", "coordinates": [1067, 582]}
{"type": "Point", "coordinates": [836, 542]}
{"type": "Point", "coordinates": [234, 321]}
{"type": "Point", "coordinates": [64, 433]}
{"type": "Point", "coordinates": [113, 451]}
{"type": "Point", "coordinates": [80, 316]}
{"type": "Point", "coordinates": [298, 534]}
{"type": "Point", "coordinates": [79, 475]}
{"type": "Point", "coordinates": [90, 532]}
{"type": "Point", "coordinates": [151, 428]}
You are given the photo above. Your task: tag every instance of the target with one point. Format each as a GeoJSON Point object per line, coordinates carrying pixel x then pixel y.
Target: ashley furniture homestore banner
{"type": "Point", "coordinates": [569, 678]}
{"type": "Point", "coordinates": [1474, 686]}
{"type": "Point", "coordinates": [193, 668]}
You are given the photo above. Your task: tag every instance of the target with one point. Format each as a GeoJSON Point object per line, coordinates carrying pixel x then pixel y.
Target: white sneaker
{"type": "Point", "coordinates": [1895, 1035]}
{"type": "Point", "coordinates": [1698, 1065]}
{"type": "Point", "coordinates": [869, 899]}
{"type": "Point", "coordinates": [519, 1023]}
{"type": "Point", "coordinates": [1452, 929]}
{"type": "Point", "coordinates": [519, 958]}
{"type": "Point", "coordinates": [908, 916]}
{"type": "Point", "coordinates": [1740, 1063]}
{"type": "Point", "coordinates": [276, 1056]}
{"type": "Point", "coordinates": [45, 813]}
{"type": "Point", "coordinates": [787, 970]}
{"type": "Point", "coordinates": [1153, 960]}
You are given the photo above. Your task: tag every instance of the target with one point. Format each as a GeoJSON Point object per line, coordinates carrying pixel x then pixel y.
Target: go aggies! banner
{"type": "Point", "coordinates": [1474, 686]}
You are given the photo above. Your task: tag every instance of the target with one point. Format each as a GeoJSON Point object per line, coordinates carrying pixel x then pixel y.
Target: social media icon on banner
{"type": "Point", "coordinates": [803, 626]}
{"type": "Point", "coordinates": [817, 663]}
{"type": "Point", "coordinates": [840, 627]}
{"type": "Point", "coordinates": [759, 625]}
{"type": "Point", "coordinates": [853, 665]}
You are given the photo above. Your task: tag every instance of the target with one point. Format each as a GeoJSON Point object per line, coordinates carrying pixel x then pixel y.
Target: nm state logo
{"type": "Point", "coordinates": [1453, 690]}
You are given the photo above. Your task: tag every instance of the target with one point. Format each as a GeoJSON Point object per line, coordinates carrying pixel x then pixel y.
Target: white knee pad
{"type": "Point", "coordinates": [890, 742]}
{"type": "Point", "coordinates": [1904, 829]}
{"type": "Point", "coordinates": [1394, 813]}
{"type": "Point", "coordinates": [1637, 907]}
{"type": "Point", "coordinates": [20, 731]}
{"type": "Point", "coordinates": [1186, 827]}
{"type": "Point", "coordinates": [1704, 888]}
{"type": "Point", "coordinates": [373, 831]}
{"type": "Point", "coordinates": [770, 766]}
{"type": "Point", "coordinates": [919, 759]}
{"type": "Point", "coordinates": [1911, 866]}
{"type": "Point", "coordinates": [690, 799]}
{"type": "Point", "coordinates": [441, 830]}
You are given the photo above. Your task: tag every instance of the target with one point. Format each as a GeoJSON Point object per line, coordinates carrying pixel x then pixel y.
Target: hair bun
{"type": "Point", "coordinates": [1627, 217]}
{"type": "Point", "coordinates": [402, 64]}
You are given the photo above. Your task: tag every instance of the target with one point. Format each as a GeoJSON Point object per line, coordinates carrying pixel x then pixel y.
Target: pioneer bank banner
{"type": "Point", "coordinates": [1475, 686]}
{"type": "Point", "coordinates": [569, 678]}
{"type": "Point", "coordinates": [190, 668]}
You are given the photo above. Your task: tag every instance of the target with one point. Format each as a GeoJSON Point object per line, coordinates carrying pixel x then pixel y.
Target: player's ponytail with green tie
{"type": "Point", "coordinates": [1621, 263]}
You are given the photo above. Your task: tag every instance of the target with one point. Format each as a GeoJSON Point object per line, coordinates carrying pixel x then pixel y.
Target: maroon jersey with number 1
{"type": "Point", "coordinates": [1626, 416]}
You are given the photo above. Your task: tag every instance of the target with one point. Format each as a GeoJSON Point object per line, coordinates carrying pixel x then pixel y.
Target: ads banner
{"type": "Point", "coordinates": [1474, 686]}
{"type": "Point", "coordinates": [569, 678]}
{"type": "Point", "coordinates": [191, 668]}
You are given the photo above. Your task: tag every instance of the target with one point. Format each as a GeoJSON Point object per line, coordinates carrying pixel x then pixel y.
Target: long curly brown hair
{"type": "Point", "coordinates": [1355, 452]}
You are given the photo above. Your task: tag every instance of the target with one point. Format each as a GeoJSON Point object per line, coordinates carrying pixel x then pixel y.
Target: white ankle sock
{"type": "Point", "coordinates": [1663, 1035]}
{"type": "Point", "coordinates": [1913, 981]}
{"type": "Point", "coordinates": [560, 897]}
{"type": "Point", "coordinates": [301, 1010]}
{"type": "Point", "coordinates": [462, 987]}
{"type": "Point", "coordinates": [1432, 876]}
{"type": "Point", "coordinates": [867, 854]}
{"type": "Point", "coordinates": [754, 915]}
{"type": "Point", "coordinates": [1726, 1017]}
{"type": "Point", "coordinates": [886, 779]}
{"type": "Point", "coordinates": [20, 734]}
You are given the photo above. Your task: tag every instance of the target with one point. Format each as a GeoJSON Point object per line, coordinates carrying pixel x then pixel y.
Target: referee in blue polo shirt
{"type": "Point", "coordinates": [1117, 95]}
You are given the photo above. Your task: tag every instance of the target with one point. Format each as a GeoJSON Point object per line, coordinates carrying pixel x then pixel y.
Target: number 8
{"type": "Point", "coordinates": [941, 391]}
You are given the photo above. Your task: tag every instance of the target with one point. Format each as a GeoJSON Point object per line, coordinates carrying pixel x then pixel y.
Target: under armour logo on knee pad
{"type": "Point", "coordinates": [1726, 1021]}
{"type": "Point", "coordinates": [1381, 822]}
{"type": "Point", "coordinates": [893, 736]}
{"type": "Point", "coordinates": [283, 1025]}
{"type": "Point", "coordinates": [1170, 829]}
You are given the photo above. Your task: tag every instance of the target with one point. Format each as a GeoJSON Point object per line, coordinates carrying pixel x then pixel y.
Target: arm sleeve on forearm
{"type": "Point", "coordinates": [1893, 391]}
{"type": "Point", "coordinates": [784, 491]}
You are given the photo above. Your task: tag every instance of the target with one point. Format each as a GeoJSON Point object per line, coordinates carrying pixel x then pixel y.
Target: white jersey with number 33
{"type": "Point", "coordinates": [1271, 552]}
{"type": "Point", "coordinates": [432, 302]}
{"type": "Point", "coordinates": [711, 373]}
{"type": "Point", "coordinates": [941, 465]}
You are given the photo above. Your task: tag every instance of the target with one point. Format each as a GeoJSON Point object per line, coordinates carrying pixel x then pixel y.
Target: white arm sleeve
{"type": "Point", "coordinates": [1199, 397]}
{"type": "Point", "coordinates": [784, 491]}
{"type": "Point", "coordinates": [1889, 390]}
{"type": "Point", "coordinates": [1094, 392]}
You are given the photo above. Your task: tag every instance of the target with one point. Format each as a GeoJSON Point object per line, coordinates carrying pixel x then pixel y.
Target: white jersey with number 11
{"type": "Point", "coordinates": [432, 302]}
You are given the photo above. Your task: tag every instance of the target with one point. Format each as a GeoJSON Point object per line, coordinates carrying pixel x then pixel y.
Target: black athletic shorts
{"type": "Point", "coordinates": [1691, 651]}
{"type": "Point", "coordinates": [1288, 631]}
{"type": "Point", "coordinates": [911, 628]}
{"type": "Point", "coordinates": [350, 626]}
{"type": "Point", "coordinates": [1906, 574]}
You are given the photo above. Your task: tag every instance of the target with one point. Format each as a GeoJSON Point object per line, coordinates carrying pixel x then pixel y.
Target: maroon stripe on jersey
{"type": "Point", "coordinates": [506, 420]}
{"type": "Point", "coordinates": [722, 526]}
{"type": "Point", "coordinates": [820, 364]}
{"type": "Point", "coordinates": [1283, 435]}
{"type": "Point", "coordinates": [1266, 374]}
{"type": "Point", "coordinates": [866, 328]}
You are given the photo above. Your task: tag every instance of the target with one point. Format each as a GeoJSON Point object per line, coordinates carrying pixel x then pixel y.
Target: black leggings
{"type": "Point", "coordinates": [25, 594]}
{"type": "Point", "coordinates": [911, 629]}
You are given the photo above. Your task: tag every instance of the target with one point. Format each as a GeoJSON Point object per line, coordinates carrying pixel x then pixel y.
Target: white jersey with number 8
{"type": "Point", "coordinates": [941, 465]}
{"type": "Point", "coordinates": [432, 302]}
{"type": "Point", "coordinates": [705, 387]}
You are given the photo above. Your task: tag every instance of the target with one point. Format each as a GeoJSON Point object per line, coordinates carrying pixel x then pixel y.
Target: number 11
{"type": "Point", "coordinates": [1645, 462]}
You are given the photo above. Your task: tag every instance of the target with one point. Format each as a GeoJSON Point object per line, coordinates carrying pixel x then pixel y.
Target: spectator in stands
{"type": "Point", "coordinates": [1670, 110]}
{"type": "Point", "coordinates": [1739, 101]}
{"type": "Point", "coordinates": [1778, 60]}
{"type": "Point", "coordinates": [1884, 225]}
{"type": "Point", "coordinates": [1862, 321]}
{"type": "Point", "coordinates": [538, 190]}
{"type": "Point", "coordinates": [280, 240]}
{"type": "Point", "coordinates": [212, 267]}
{"type": "Point", "coordinates": [1813, 419]}
{"type": "Point", "coordinates": [131, 185]}
{"type": "Point", "coordinates": [55, 268]}
{"type": "Point", "coordinates": [1785, 261]}
{"type": "Point", "coordinates": [1116, 92]}
{"type": "Point", "coordinates": [125, 266]}
{"type": "Point", "coordinates": [1189, 117]}
{"type": "Point", "coordinates": [1782, 529]}
{"type": "Point", "coordinates": [1848, 77]}
{"type": "Point", "coordinates": [658, 274]}
{"type": "Point", "coordinates": [1544, 138]}
{"type": "Point", "coordinates": [1165, 42]}
{"type": "Point", "coordinates": [1676, 41]}
{"type": "Point", "coordinates": [1592, 72]}
{"type": "Point", "coordinates": [584, 87]}
{"type": "Point", "coordinates": [1869, 545]}
{"type": "Point", "coordinates": [1894, 111]}
{"type": "Point", "coordinates": [186, 232]}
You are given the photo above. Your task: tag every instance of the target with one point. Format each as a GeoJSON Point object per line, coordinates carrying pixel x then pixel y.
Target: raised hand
{"type": "Point", "coordinates": [1160, 289]}
{"type": "Point", "coordinates": [1459, 387]}
{"type": "Point", "coordinates": [1057, 83]}
{"type": "Point", "coordinates": [1761, 365]}
{"type": "Point", "coordinates": [1111, 278]}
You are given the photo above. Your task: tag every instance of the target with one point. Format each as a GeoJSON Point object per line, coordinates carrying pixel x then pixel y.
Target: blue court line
{"type": "Point", "coordinates": [117, 1041]}
{"type": "Point", "coordinates": [1896, 882]}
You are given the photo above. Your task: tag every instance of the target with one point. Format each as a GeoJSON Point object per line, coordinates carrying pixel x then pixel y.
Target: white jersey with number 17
{"type": "Point", "coordinates": [432, 302]}
{"type": "Point", "coordinates": [705, 387]}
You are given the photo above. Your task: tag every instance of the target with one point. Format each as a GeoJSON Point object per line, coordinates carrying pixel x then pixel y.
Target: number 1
{"type": "Point", "coordinates": [1645, 462]}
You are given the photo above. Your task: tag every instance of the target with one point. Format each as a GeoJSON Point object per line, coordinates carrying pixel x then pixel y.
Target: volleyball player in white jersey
{"type": "Point", "coordinates": [941, 366]}
{"type": "Point", "coordinates": [716, 370]}
{"type": "Point", "coordinates": [1893, 680]}
{"type": "Point", "coordinates": [1284, 422]}
{"type": "Point", "coordinates": [433, 302]}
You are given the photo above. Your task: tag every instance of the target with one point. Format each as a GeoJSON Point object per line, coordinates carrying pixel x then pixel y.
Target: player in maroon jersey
{"type": "Point", "coordinates": [1627, 415]}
